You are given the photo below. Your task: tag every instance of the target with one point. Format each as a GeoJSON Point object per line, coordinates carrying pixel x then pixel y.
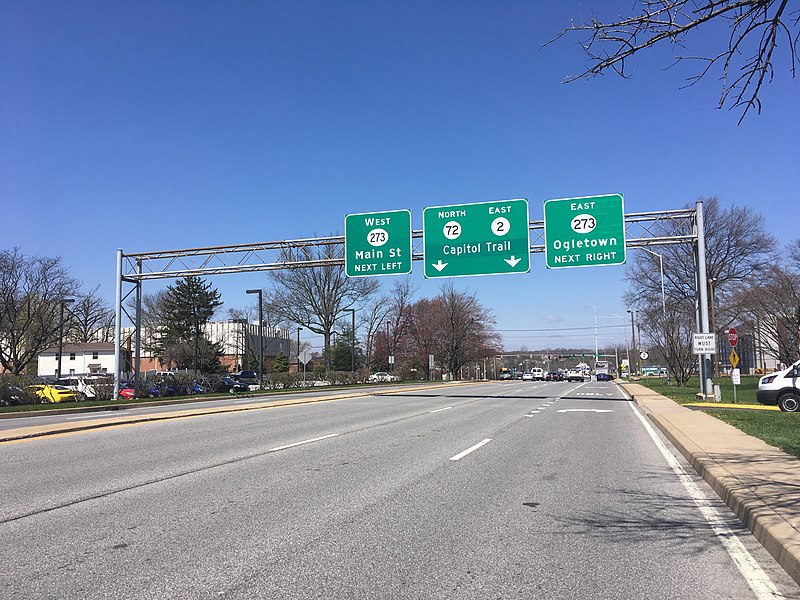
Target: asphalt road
{"type": "Point", "coordinates": [514, 490]}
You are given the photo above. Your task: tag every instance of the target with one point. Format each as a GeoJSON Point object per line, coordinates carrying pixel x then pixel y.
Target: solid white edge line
{"type": "Point", "coordinates": [440, 409]}
{"type": "Point", "coordinates": [472, 449]}
{"type": "Point", "coordinates": [756, 578]}
{"type": "Point", "coordinates": [324, 437]}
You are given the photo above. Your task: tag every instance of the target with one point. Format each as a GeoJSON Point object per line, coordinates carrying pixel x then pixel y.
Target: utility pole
{"type": "Point", "coordinates": [63, 302]}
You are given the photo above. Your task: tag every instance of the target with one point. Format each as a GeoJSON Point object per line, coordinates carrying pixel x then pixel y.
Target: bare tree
{"type": "Point", "coordinates": [769, 307]}
{"type": "Point", "coordinates": [421, 341]}
{"type": "Point", "coordinates": [153, 310]}
{"type": "Point", "coordinates": [399, 315]}
{"type": "Point", "coordinates": [465, 328]}
{"type": "Point", "coordinates": [373, 316]}
{"type": "Point", "coordinates": [91, 319]}
{"type": "Point", "coordinates": [738, 249]}
{"type": "Point", "coordinates": [31, 291]}
{"type": "Point", "coordinates": [315, 296]}
{"type": "Point", "coordinates": [757, 30]}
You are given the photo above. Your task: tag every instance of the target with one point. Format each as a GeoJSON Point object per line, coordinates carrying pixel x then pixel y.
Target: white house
{"type": "Point", "coordinates": [80, 359]}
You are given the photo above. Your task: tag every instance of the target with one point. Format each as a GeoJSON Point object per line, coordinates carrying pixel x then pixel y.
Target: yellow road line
{"type": "Point", "coordinates": [722, 405]}
{"type": "Point", "coordinates": [25, 434]}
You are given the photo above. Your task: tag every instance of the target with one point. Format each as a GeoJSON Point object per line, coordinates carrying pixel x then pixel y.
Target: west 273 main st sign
{"type": "Point", "coordinates": [584, 232]}
{"type": "Point", "coordinates": [377, 243]}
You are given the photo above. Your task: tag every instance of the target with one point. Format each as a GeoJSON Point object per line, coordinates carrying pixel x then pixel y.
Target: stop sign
{"type": "Point", "coordinates": [733, 337]}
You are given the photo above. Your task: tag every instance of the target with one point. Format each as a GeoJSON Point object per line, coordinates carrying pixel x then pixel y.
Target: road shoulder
{"type": "Point", "coordinates": [760, 483]}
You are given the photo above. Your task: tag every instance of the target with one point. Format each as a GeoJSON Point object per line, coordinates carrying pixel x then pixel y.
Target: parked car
{"type": "Point", "coordinates": [781, 388]}
{"type": "Point", "coordinates": [144, 389]}
{"type": "Point", "coordinates": [14, 396]}
{"type": "Point", "coordinates": [538, 374]}
{"type": "Point", "coordinates": [53, 393]}
{"type": "Point", "coordinates": [82, 387]}
{"type": "Point", "coordinates": [505, 376]}
{"type": "Point", "coordinates": [248, 377]}
{"type": "Point", "coordinates": [227, 384]}
{"type": "Point", "coordinates": [574, 375]}
{"type": "Point", "coordinates": [527, 376]}
{"type": "Point", "coordinates": [198, 387]}
{"type": "Point", "coordinates": [383, 376]}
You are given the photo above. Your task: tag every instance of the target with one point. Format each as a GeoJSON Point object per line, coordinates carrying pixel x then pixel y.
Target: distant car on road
{"type": "Point", "coordinates": [574, 375]}
{"type": "Point", "coordinates": [527, 376]}
{"type": "Point", "coordinates": [505, 376]}
{"type": "Point", "coordinates": [554, 376]}
{"type": "Point", "coordinates": [382, 376]}
{"type": "Point", "coordinates": [538, 374]}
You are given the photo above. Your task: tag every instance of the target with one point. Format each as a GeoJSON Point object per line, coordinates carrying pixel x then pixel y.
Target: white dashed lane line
{"type": "Point", "coordinates": [470, 450]}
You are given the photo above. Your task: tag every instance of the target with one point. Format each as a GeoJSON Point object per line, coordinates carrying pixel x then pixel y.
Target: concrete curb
{"type": "Point", "coordinates": [758, 482]}
{"type": "Point", "coordinates": [26, 433]}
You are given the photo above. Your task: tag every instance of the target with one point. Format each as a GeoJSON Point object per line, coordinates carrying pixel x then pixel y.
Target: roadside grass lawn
{"type": "Point", "coordinates": [778, 429]}
{"type": "Point", "coordinates": [745, 393]}
{"type": "Point", "coordinates": [781, 430]}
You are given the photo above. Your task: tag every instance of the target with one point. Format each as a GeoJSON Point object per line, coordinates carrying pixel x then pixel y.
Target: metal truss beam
{"type": "Point", "coordinates": [329, 251]}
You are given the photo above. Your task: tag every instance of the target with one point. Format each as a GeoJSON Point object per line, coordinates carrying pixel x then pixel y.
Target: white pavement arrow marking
{"type": "Point", "coordinates": [594, 410]}
{"type": "Point", "coordinates": [439, 265]}
{"type": "Point", "coordinates": [513, 261]}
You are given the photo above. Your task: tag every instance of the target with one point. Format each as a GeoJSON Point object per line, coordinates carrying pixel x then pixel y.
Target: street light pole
{"type": "Point", "coordinates": [63, 302]}
{"type": "Point", "coordinates": [299, 329]}
{"type": "Point", "coordinates": [633, 334]}
{"type": "Point", "coordinates": [260, 335]}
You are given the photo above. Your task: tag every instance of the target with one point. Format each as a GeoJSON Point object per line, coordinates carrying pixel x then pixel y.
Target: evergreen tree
{"type": "Point", "coordinates": [342, 353]}
{"type": "Point", "coordinates": [186, 308]}
{"type": "Point", "coordinates": [281, 364]}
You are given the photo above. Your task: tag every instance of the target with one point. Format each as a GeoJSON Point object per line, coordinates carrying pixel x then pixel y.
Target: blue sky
{"type": "Point", "coordinates": [160, 125]}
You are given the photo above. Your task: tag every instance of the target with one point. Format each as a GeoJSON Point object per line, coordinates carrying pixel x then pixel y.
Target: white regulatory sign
{"type": "Point", "coordinates": [704, 343]}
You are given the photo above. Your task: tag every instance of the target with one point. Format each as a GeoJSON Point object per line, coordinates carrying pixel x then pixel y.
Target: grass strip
{"type": "Point", "coordinates": [781, 430]}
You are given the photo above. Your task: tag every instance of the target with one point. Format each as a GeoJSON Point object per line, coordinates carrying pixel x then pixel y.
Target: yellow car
{"type": "Point", "coordinates": [53, 393]}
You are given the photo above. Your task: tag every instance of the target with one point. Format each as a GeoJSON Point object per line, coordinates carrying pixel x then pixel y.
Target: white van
{"type": "Point", "coordinates": [538, 374]}
{"type": "Point", "coordinates": [781, 388]}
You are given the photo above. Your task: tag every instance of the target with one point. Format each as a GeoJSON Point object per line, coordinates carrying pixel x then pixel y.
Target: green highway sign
{"type": "Point", "coordinates": [485, 238]}
{"type": "Point", "coordinates": [584, 232]}
{"type": "Point", "coordinates": [377, 243]}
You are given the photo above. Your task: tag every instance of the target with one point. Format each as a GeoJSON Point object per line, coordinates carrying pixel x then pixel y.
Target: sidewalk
{"type": "Point", "coordinates": [758, 482]}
